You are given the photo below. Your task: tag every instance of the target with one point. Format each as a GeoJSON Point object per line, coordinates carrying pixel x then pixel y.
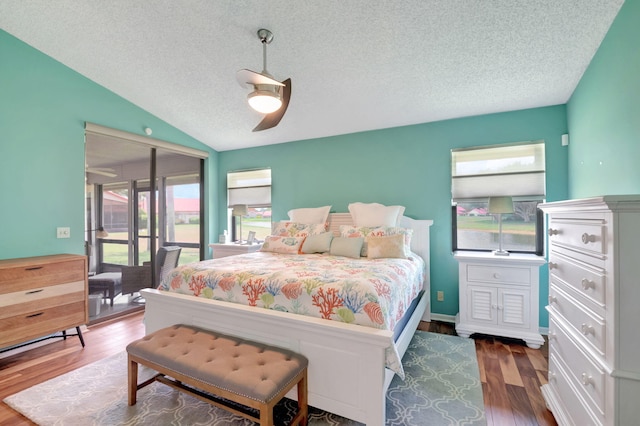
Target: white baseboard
{"type": "Point", "coordinates": [443, 318]}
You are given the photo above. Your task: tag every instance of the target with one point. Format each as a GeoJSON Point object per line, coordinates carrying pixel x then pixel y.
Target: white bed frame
{"type": "Point", "coordinates": [347, 374]}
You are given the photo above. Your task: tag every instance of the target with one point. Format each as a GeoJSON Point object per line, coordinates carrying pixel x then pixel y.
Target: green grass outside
{"type": "Point", "coordinates": [488, 224]}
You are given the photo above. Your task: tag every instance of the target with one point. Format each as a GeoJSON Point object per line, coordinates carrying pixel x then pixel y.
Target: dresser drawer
{"type": "Point", "coordinates": [587, 280]}
{"type": "Point", "coordinates": [499, 274]}
{"type": "Point", "coordinates": [41, 274]}
{"type": "Point", "coordinates": [12, 304]}
{"type": "Point", "coordinates": [585, 234]}
{"type": "Point", "coordinates": [575, 406]}
{"type": "Point", "coordinates": [590, 327]}
{"type": "Point", "coordinates": [586, 376]}
{"type": "Point", "coordinates": [40, 322]}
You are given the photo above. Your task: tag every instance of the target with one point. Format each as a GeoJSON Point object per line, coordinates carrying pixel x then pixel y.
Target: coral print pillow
{"type": "Point", "coordinates": [295, 229]}
{"type": "Point", "coordinates": [284, 245]}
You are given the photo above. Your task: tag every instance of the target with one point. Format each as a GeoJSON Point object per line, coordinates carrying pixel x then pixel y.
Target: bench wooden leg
{"type": "Point", "coordinates": [133, 381]}
{"type": "Point", "coordinates": [303, 403]}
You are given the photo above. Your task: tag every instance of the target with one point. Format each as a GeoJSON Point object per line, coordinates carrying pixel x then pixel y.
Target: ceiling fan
{"type": "Point", "coordinates": [269, 96]}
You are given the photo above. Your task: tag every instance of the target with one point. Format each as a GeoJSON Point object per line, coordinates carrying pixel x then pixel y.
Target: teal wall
{"type": "Point", "coordinates": [410, 166]}
{"type": "Point", "coordinates": [43, 108]}
{"type": "Point", "coordinates": [604, 114]}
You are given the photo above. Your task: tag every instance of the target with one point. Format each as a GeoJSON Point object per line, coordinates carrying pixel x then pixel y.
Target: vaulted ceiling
{"type": "Point", "coordinates": [355, 65]}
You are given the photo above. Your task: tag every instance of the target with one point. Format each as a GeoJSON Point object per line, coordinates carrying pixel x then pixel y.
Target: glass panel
{"type": "Point", "coordinates": [115, 220]}
{"type": "Point", "coordinates": [258, 220]}
{"type": "Point", "coordinates": [477, 229]}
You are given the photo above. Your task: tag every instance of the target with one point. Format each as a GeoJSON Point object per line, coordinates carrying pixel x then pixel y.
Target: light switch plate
{"type": "Point", "coordinates": [63, 232]}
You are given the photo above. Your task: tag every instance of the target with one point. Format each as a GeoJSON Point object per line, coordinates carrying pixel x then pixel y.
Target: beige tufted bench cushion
{"type": "Point", "coordinates": [193, 359]}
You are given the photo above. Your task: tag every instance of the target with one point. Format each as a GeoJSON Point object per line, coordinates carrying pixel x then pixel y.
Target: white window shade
{"type": "Point", "coordinates": [499, 170]}
{"type": "Point", "coordinates": [251, 187]}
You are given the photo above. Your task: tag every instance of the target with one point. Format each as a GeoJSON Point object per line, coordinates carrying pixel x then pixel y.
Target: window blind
{"type": "Point", "coordinates": [249, 187]}
{"type": "Point", "coordinates": [515, 170]}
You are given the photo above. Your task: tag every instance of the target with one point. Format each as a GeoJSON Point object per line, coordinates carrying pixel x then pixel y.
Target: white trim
{"type": "Point", "coordinates": [150, 142]}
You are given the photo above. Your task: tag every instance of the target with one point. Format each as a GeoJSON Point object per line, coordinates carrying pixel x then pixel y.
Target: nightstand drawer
{"type": "Point", "coordinates": [499, 274]}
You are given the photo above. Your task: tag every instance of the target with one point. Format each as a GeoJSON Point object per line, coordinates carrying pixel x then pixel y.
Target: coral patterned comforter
{"type": "Point", "coordinates": [370, 292]}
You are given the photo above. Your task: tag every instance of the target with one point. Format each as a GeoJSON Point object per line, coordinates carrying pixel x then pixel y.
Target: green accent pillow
{"type": "Point", "coordinates": [320, 243]}
{"type": "Point", "coordinates": [348, 247]}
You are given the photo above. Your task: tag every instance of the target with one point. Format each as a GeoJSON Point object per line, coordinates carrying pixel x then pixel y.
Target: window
{"type": "Point", "coordinates": [510, 170]}
{"type": "Point", "coordinates": [249, 201]}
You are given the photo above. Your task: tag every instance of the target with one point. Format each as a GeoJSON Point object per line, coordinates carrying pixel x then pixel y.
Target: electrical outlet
{"type": "Point", "coordinates": [63, 232]}
{"type": "Point", "coordinates": [440, 296]}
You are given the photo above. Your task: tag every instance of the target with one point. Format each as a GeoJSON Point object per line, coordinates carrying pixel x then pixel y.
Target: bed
{"type": "Point", "coordinates": [350, 365]}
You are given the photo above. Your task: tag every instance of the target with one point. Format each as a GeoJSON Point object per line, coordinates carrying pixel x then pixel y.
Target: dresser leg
{"type": "Point", "coordinates": [80, 336]}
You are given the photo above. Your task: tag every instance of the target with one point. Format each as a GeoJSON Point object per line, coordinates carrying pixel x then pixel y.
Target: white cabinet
{"type": "Point", "coordinates": [594, 293]}
{"type": "Point", "coordinates": [499, 295]}
{"type": "Point", "coordinates": [224, 250]}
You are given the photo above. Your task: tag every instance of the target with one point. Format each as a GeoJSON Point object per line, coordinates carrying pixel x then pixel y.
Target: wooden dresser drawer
{"type": "Point", "coordinates": [587, 377]}
{"type": "Point", "coordinates": [587, 280]}
{"type": "Point", "coordinates": [499, 274]}
{"type": "Point", "coordinates": [18, 276]}
{"type": "Point", "coordinates": [573, 403]}
{"type": "Point", "coordinates": [585, 323]}
{"type": "Point", "coordinates": [12, 304]}
{"type": "Point", "coordinates": [40, 322]}
{"type": "Point", "coordinates": [584, 234]}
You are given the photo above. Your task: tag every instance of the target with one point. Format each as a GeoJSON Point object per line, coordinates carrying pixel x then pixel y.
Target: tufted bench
{"type": "Point", "coordinates": [226, 368]}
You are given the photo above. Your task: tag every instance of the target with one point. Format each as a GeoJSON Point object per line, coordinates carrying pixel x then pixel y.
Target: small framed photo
{"type": "Point", "coordinates": [251, 238]}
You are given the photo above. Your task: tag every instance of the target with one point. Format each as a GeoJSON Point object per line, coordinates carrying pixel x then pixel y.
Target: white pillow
{"type": "Point", "coordinates": [310, 215]}
{"type": "Point", "coordinates": [375, 214]}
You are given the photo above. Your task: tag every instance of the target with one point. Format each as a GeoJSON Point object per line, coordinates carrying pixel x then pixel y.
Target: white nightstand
{"type": "Point", "coordinates": [224, 250]}
{"type": "Point", "coordinates": [499, 295]}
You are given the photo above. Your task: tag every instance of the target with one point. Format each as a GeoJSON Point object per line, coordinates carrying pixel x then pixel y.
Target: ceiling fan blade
{"type": "Point", "coordinates": [272, 120]}
{"type": "Point", "coordinates": [251, 77]}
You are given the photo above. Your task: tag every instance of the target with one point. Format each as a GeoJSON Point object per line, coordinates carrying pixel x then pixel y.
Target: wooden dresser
{"type": "Point", "coordinates": [40, 296]}
{"type": "Point", "coordinates": [594, 311]}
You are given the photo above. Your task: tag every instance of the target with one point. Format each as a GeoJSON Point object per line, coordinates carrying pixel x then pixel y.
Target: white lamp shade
{"type": "Point", "coordinates": [500, 205]}
{"type": "Point", "coordinates": [240, 210]}
{"type": "Point", "coordinates": [264, 101]}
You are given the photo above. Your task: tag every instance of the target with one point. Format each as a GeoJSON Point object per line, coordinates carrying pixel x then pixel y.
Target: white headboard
{"type": "Point", "coordinates": [420, 243]}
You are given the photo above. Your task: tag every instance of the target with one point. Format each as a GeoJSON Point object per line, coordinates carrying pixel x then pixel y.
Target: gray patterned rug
{"type": "Point", "coordinates": [441, 387]}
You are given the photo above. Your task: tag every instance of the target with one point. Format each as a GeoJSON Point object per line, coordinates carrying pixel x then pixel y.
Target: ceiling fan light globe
{"type": "Point", "coordinates": [264, 101]}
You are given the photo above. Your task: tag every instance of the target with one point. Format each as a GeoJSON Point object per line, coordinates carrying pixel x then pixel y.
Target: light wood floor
{"type": "Point", "coordinates": [510, 372]}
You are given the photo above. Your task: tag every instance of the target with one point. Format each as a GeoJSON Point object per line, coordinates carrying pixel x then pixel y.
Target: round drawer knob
{"type": "Point", "coordinates": [496, 275]}
{"type": "Point", "coordinates": [587, 329]}
{"type": "Point", "coordinates": [553, 232]}
{"type": "Point", "coordinates": [587, 238]}
{"type": "Point", "coordinates": [586, 379]}
{"type": "Point", "coordinates": [586, 284]}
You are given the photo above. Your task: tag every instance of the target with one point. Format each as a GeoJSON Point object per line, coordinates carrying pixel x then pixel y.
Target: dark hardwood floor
{"type": "Point", "coordinates": [511, 373]}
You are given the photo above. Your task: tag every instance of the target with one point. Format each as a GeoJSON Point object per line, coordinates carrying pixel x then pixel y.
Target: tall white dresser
{"type": "Point", "coordinates": [594, 311]}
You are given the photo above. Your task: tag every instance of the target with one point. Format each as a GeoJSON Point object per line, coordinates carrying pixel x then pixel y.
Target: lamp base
{"type": "Point", "coordinates": [501, 253]}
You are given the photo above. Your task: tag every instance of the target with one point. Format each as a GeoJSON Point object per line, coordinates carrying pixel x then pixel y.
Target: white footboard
{"type": "Point", "coordinates": [346, 362]}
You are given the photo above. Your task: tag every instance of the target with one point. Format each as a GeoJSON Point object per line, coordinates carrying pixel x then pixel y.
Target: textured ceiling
{"type": "Point", "coordinates": [355, 65]}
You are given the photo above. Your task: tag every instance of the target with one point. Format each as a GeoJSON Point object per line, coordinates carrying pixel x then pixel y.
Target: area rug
{"type": "Point", "coordinates": [441, 387]}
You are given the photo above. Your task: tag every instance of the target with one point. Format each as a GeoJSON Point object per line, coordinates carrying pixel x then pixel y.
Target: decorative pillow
{"type": "Point", "coordinates": [286, 245]}
{"type": "Point", "coordinates": [375, 214]}
{"type": "Point", "coordinates": [295, 229]}
{"type": "Point", "coordinates": [310, 215]}
{"type": "Point", "coordinates": [390, 246]}
{"type": "Point", "coordinates": [320, 243]}
{"type": "Point", "coordinates": [347, 247]}
{"type": "Point", "coordinates": [377, 231]}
